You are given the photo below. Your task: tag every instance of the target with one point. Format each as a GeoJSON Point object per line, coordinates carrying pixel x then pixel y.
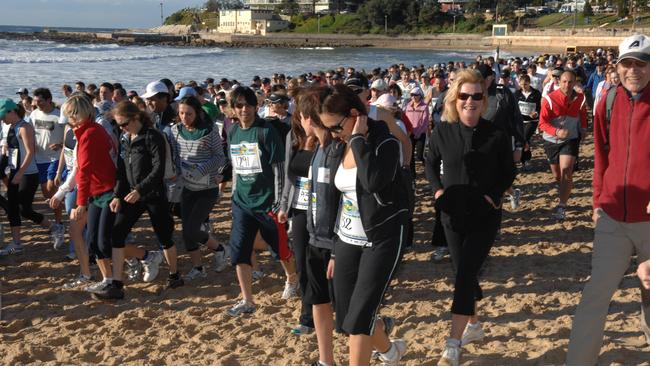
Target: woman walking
{"type": "Point", "coordinates": [478, 169]}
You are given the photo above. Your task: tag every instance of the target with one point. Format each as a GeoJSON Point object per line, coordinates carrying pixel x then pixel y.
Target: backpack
{"type": "Point", "coordinates": [170, 170]}
{"type": "Point", "coordinates": [609, 104]}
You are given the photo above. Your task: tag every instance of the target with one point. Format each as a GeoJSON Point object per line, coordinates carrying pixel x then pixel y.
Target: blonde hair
{"type": "Point", "coordinates": [78, 107]}
{"type": "Point", "coordinates": [450, 114]}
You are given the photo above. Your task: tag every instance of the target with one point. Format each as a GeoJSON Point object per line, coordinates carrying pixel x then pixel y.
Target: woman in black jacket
{"type": "Point", "coordinates": [140, 188]}
{"type": "Point", "coordinates": [530, 103]}
{"type": "Point", "coordinates": [371, 223]}
{"type": "Point", "coordinates": [478, 169]}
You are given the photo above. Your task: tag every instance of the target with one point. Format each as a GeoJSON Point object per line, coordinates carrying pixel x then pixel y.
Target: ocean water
{"type": "Point", "coordinates": [33, 64]}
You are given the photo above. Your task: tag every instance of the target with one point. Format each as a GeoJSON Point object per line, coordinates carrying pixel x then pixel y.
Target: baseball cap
{"type": "Point", "coordinates": [153, 88]}
{"type": "Point", "coordinates": [354, 83]}
{"type": "Point", "coordinates": [541, 60]}
{"type": "Point", "coordinates": [22, 91]}
{"type": "Point", "coordinates": [6, 105]}
{"type": "Point", "coordinates": [416, 91]}
{"type": "Point", "coordinates": [636, 47]}
{"type": "Point", "coordinates": [186, 91]}
{"type": "Point", "coordinates": [379, 84]}
{"type": "Point", "coordinates": [277, 98]}
{"type": "Point", "coordinates": [386, 101]}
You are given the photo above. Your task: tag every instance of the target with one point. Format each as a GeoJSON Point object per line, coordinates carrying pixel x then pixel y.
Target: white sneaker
{"type": "Point", "coordinates": [133, 269]}
{"type": "Point", "coordinates": [11, 248]}
{"type": "Point", "coordinates": [97, 286]}
{"type": "Point", "coordinates": [195, 274]}
{"type": "Point", "coordinates": [220, 260]}
{"type": "Point", "coordinates": [151, 265]}
{"type": "Point", "coordinates": [290, 290]}
{"type": "Point", "coordinates": [78, 281]}
{"type": "Point", "coordinates": [242, 307]}
{"type": "Point", "coordinates": [394, 354]}
{"type": "Point", "coordinates": [450, 356]}
{"type": "Point", "coordinates": [58, 235]}
{"type": "Point", "coordinates": [515, 199]}
{"type": "Point", "coordinates": [440, 253]}
{"type": "Point", "coordinates": [472, 333]}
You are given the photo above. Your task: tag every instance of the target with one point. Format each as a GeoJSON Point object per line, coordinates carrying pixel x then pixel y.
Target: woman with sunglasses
{"type": "Point", "coordinates": [478, 169]}
{"type": "Point", "coordinates": [198, 152]}
{"type": "Point", "coordinates": [371, 222]}
{"type": "Point", "coordinates": [140, 188]}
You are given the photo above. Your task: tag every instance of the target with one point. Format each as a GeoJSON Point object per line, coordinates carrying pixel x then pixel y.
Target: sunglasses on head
{"type": "Point", "coordinates": [475, 96]}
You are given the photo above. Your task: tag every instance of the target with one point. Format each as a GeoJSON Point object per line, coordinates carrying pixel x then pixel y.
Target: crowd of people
{"type": "Point", "coordinates": [323, 168]}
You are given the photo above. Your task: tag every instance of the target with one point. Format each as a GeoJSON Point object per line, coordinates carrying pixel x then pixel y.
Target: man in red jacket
{"type": "Point", "coordinates": [563, 120]}
{"type": "Point", "coordinates": [621, 197]}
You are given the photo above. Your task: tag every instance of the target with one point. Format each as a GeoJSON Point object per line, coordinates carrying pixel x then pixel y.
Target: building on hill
{"type": "Point", "coordinates": [305, 6]}
{"type": "Point", "coordinates": [249, 21]}
{"type": "Point", "coordinates": [452, 5]}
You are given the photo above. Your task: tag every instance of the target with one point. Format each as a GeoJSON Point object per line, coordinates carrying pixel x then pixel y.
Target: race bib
{"type": "Point", "coordinates": [246, 158]}
{"type": "Point", "coordinates": [526, 108]}
{"type": "Point", "coordinates": [193, 176]}
{"type": "Point", "coordinates": [313, 207]}
{"type": "Point", "coordinates": [301, 194]}
{"type": "Point", "coordinates": [349, 228]}
{"type": "Point", "coordinates": [323, 175]}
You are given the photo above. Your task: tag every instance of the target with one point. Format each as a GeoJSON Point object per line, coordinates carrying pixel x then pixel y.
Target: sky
{"type": "Point", "coordinates": [90, 13]}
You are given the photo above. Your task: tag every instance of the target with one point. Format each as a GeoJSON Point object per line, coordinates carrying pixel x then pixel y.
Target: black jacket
{"type": "Point", "coordinates": [479, 159]}
{"type": "Point", "coordinates": [380, 187]}
{"type": "Point", "coordinates": [534, 97]}
{"type": "Point", "coordinates": [507, 116]}
{"type": "Point", "coordinates": [142, 165]}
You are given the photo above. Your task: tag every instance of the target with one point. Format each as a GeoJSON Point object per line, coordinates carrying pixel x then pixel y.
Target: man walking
{"type": "Point", "coordinates": [621, 197]}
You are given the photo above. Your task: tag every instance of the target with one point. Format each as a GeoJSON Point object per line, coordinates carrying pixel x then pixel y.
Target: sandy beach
{"type": "Point", "coordinates": [532, 284]}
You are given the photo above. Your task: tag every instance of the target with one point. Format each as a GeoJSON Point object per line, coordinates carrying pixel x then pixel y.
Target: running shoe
{"type": "Point", "coordinates": [242, 307]}
{"type": "Point", "coordinates": [257, 275]}
{"type": "Point", "coordinates": [196, 273]}
{"type": "Point", "coordinates": [472, 333]}
{"type": "Point", "coordinates": [290, 290]}
{"type": "Point", "coordinates": [389, 325]}
{"type": "Point", "coordinates": [133, 269]}
{"type": "Point", "coordinates": [394, 354]}
{"type": "Point", "coordinates": [58, 235]}
{"type": "Point", "coordinates": [71, 256]}
{"type": "Point", "coordinates": [515, 199]}
{"type": "Point", "coordinates": [174, 282]}
{"type": "Point", "coordinates": [318, 363]}
{"type": "Point", "coordinates": [440, 253]}
{"type": "Point", "coordinates": [97, 286]}
{"type": "Point", "coordinates": [11, 248]}
{"type": "Point", "coordinates": [151, 265]}
{"type": "Point", "coordinates": [450, 355]}
{"type": "Point", "coordinates": [78, 281]}
{"type": "Point", "coordinates": [560, 213]}
{"type": "Point", "coordinates": [113, 291]}
{"type": "Point", "coordinates": [220, 262]}
{"type": "Point", "coordinates": [206, 227]}
{"type": "Point", "coordinates": [302, 329]}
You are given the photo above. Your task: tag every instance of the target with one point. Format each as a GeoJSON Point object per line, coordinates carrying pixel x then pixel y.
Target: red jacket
{"type": "Point", "coordinates": [96, 156]}
{"type": "Point", "coordinates": [621, 184]}
{"type": "Point", "coordinates": [559, 111]}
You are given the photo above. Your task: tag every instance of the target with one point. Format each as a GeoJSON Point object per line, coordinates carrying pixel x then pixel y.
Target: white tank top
{"type": "Point", "coordinates": [348, 223]}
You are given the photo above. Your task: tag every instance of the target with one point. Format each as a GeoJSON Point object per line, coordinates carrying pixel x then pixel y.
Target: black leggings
{"type": "Point", "coordinates": [161, 220]}
{"type": "Point", "coordinates": [417, 147]}
{"type": "Point", "coordinates": [195, 208]}
{"type": "Point", "coordinates": [361, 277]}
{"type": "Point", "coordinates": [300, 242]}
{"type": "Point", "coordinates": [99, 231]}
{"type": "Point", "coordinates": [20, 199]}
{"type": "Point", "coordinates": [468, 253]}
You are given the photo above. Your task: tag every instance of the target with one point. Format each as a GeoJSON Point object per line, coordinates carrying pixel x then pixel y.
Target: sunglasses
{"type": "Point", "coordinates": [475, 96]}
{"type": "Point", "coordinates": [337, 127]}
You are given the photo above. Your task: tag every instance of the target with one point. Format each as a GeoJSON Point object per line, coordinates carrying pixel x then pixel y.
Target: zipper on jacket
{"type": "Point", "coordinates": [627, 160]}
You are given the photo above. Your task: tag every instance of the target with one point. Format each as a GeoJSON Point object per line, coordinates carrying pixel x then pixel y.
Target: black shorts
{"type": "Point", "coordinates": [319, 288]}
{"type": "Point", "coordinates": [553, 151]}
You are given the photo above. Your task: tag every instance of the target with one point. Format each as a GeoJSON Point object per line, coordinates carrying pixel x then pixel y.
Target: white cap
{"type": "Point", "coordinates": [385, 101]}
{"type": "Point", "coordinates": [154, 88]}
{"type": "Point", "coordinates": [417, 91]}
{"type": "Point", "coordinates": [636, 47]}
{"type": "Point", "coordinates": [379, 84]}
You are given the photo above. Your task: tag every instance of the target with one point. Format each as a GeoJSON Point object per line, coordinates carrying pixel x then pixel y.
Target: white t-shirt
{"type": "Point", "coordinates": [48, 131]}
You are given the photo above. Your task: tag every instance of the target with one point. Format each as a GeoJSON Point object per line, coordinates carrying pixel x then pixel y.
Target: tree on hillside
{"type": "Point", "coordinates": [623, 10]}
{"type": "Point", "coordinates": [211, 6]}
{"type": "Point", "coordinates": [289, 7]}
{"type": "Point", "coordinates": [588, 11]}
{"type": "Point", "coordinates": [216, 5]}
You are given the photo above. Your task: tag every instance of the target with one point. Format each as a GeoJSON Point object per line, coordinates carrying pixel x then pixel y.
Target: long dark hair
{"type": "Point", "coordinates": [201, 120]}
{"type": "Point", "coordinates": [131, 111]}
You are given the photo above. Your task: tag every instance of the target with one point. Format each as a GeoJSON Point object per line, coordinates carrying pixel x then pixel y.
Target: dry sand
{"type": "Point", "coordinates": [532, 284]}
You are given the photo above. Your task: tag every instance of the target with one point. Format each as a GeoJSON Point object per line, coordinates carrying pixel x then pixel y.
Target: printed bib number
{"type": "Point", "coordinates": [526, 108]}
{"type": "Point", "coordinates": [301, 195]}
{"type": "Point", "coordinates": [246, 158]}
{"type": "Point", "coordinates": [193, 176]}
{"type": "Point", "coordinates": [350, 228]}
